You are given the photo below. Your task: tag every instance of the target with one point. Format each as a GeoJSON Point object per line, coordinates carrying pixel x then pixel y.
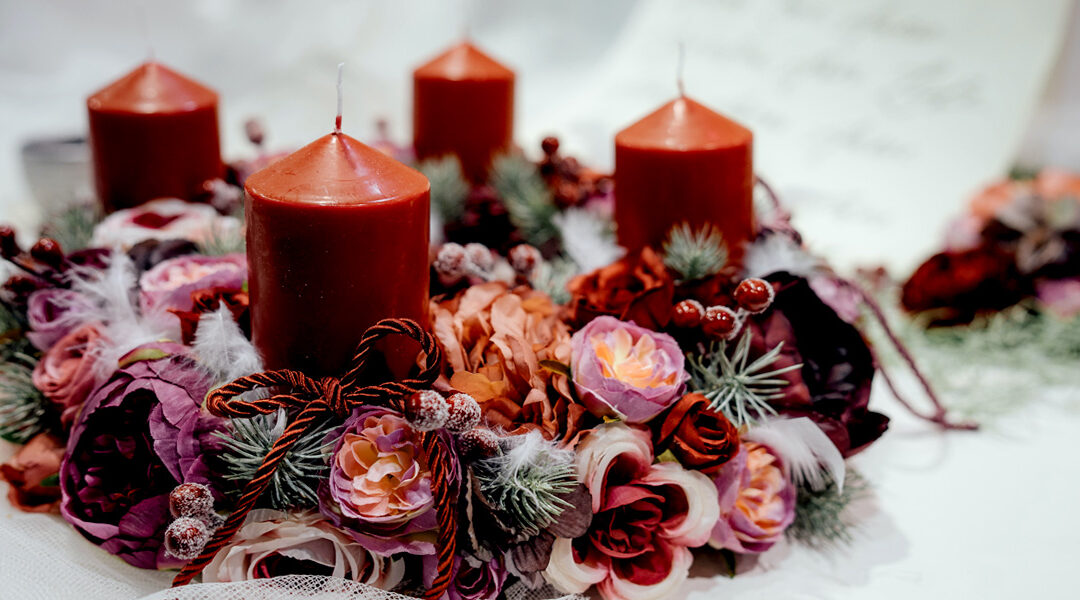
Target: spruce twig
{"type": "Point", "coordinates": [74, 227]}
{"type": "Point", "coordinates": [695, 254]}
{"type": "Point", "coordinates": [527, 198]}
{"type": "Point", "coordinates": [23, 408]}
{"type": "Point", "coordinates": [449, 189]}
{"type": "Point", "coordinates": [820, 520]}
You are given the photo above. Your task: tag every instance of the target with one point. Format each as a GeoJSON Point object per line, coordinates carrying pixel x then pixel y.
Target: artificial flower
{"type": "Point", "coordinates": [168, 285]}
{"type": "Point", "coordinates": [757, 501]}
{"type": "Point", "coordinates": [140, 434]}
{"type": "Point", "coordinates": [68, 372]}
{"type": "Point", "coordinates": [148, 253]}
{"type": "Point", "coordinates": [959, 284]}
{"type": "Point", "coordinates": [833, 386]}
{"type": "Point", "coordinates": [32, 474]}
{"type": "Point", "coordinates": [476, 580]}
{"type": "Point", "coordinates": [701, 438]}
{"type": "Point", "coordinates": [379, 486]}
{"type": "Point", "coordinates": [635, 288]}
{"type": "Point", "coordinates": [500, 346]}
{"type": "Point", "coordinates": [646, 517]}
{"type": "Point", "coordinates": [273, 543]}
{"type": "Point", "coordinates": [206, 301]}
{"type": "Point", "coordinates": [50, 313]}
{"type": "Point", "coordinates": [625, 371]}
{"type": "Point", "coordinates": [164, 219]}
{"type": "Point", "coordinates": [1060, 296]}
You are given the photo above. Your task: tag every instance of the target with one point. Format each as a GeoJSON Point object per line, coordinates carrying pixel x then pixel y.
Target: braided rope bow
{"type": "Point", "coordinates": [317, 398]}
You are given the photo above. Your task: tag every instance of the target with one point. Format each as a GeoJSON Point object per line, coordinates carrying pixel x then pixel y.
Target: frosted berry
{"type": "Point", "coordinates": [688, 313]}
{"type": "Point", "coordinates": [48, 251]}
{"type": "Point", "coordinates": [186, 537]}
{"type": "Point", "coordinates": [524, 259]}
{"type": "Point", "coordinates": [754, 295]}
{"type": "Point", "coordinates": [464, 413]}
{"type": "Point", "coordinates": [191, 500]}
{"type": "Point", "coordinates": [550, 145]}
{"type": "Point", "coordinates": [479, 257]}
{"type": "Point", "coordinates": [427, 410]}
{"type": "Point", "coordinates": [9, 246]}
{"type": "Point", "coordinates": [478, 443]}
{"type": "Point", "coordinates": [451, 263]}
{"type": "Point", "coordinates": [720, 322]}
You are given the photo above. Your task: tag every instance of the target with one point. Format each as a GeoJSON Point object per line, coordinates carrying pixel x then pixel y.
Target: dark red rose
{"type": "Point", "coordinates": [701, 438]}
{"type": "Point", "coordinates": [635, 288]}
{"type": "Point", "coordinates": [964, 282]}
{"type": "Point", "coordinates": [208, 300]}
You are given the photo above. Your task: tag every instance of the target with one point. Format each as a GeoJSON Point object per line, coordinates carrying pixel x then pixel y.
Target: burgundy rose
{"type": "Point", "coordinates": [207, 301]}
{"type": "Point", "coordinates": [32, 474]}
{"type": "Point", "coordinates": [140, 435]}
{"type": "Point", "coordinates": [701, 438]}
{"type": "Point", "coordinates": [964, 282]}
{"type": "Point", "coordinates": [635, 288]}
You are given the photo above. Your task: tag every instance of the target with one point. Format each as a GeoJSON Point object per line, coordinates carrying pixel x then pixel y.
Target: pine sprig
{"type": "Point", "coordinates": [552, 277]}
{"type": "Point", "coordinates": [527, 483]}
{"type": "Point", "coordinates": [23, 408]}
{"type": "Point", "coordinates": [695, 254]}
{"type": "Point", "coordinates": [735, 385]}
{"type": "Point", "coordinates": [74, 227]}
{"type": "Point", "coordinates": [448, 186]}
{"type": "Point", "coordinates": [296, 479]}
{"type": "Point", "coordinates": [820, 519]}
{"type": "Point", "coordinates": [527, 199]}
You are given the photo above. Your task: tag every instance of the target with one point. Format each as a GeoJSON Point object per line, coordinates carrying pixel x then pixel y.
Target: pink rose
{"type": "Point", "coordinates": [166, 219]}
{"type": "Point", "coordinates": [49, 312]}
{"type": "Point", "coordinates": [646, 517]}
{"type": "Point", "coordinates": [273, 543]}
{"type": "Point", "coordinates": [757, 501]}
{"type": "Point", "coordinates": [66, 374]}
{"type": "Point", "coordinates": [169, 284]}
{"type": "Point", "coordinates": [625, 371]}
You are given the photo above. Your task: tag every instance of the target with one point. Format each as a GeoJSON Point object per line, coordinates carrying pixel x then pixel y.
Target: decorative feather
{"type": "Point", "coordinates": [221, 349]}
{"type": "Point", "coordinates": [587, 238]}
{"type": "Point", "coordinates": [810, 456]}
{"type": "Point", "coordinates": [113, 296]}
{"type": "Point", "coordinates": [777, 252]}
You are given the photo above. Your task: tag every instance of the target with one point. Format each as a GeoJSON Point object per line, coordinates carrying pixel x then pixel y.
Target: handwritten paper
{"type": "Point", "coordinates": [875, 120]}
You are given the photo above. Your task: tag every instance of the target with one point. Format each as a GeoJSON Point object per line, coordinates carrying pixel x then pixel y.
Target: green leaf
{"type": "Point", "coordinates": [556, 367]}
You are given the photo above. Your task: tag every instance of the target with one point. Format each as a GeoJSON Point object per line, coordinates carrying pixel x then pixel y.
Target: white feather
{"type": "Point", "coordinates": [113, 302]}
{"type": "Point", "coordinates": [528, 449]}
{"type": "Point", "coordinates": [804, 449]}
{"type": "Point", "coordinates": [221, 349]}
{"type": "Point", "coordinates": [775, 253]}
{"type": "Point", "coordinates": [587, 238]}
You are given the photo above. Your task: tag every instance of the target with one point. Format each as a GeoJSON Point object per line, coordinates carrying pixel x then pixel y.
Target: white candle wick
{"type": "Point", "coordinates": [679, 69]}
{"type": "Point", "coordinates": [337, 121]}
{"type": "Point", "coordinates": [144, 25]}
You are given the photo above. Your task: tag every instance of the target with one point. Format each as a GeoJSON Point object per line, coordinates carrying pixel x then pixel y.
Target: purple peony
{"type": "Point", "coordinates": [379, 487]}
{"type": "Point", "coordinates": [139, 435]}
{"type": "Point", "coordinates": [476, 580]}
{"type": "Point", "coordinates": [49, 313]}
{"type": "Point", "coordinates": [168, 285]}
{"type": "Point", "coordinates": [625, 371]}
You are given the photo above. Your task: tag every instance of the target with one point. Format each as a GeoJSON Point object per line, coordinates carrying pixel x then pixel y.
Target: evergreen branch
{"type": "Point", "coordinates": [820, 520]}
{"type": "Point", "coordinates": [552, 277]}
{"type": "Point", "coordinates": [23, 408]}
{"type": "Point", "coordinates": [739, 390]}
{"type": "Point", "coordinates": [527, 483]}
{"type": "Point", "coordinates": [695, 254]}
{"type": "Point", "coordinates": [449, 189]}
{"type": "Point", "coordinates": [526, 196]}
{"type": "Point", "coordinates": [74, 227]}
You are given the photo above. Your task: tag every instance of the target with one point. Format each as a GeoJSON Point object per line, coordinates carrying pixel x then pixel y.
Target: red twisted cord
{"type": "Point", "coordinates": [318, 398]}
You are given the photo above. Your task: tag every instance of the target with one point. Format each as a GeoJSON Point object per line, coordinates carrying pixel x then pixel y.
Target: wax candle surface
{"type": "Point", "coordinates": [463, 104]}
{"type": "Point", "coordinates": [153, 134]}
{"type": "Point", "coordinates": [337, 240]}
{"type": "Point", "coordinates": [684, 163]}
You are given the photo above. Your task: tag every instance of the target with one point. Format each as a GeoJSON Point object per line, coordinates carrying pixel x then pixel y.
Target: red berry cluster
{"type": "Point", "coordinates": [44, 265]}
{"type": "Point", "coordinates": [752, 296]}
{"type": "Point", "coordinates": [570, 183]}
{"type": "Point", "coordinates": [192, 505]}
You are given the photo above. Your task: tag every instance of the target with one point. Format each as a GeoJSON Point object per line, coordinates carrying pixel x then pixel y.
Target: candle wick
{"type": "Point", "coordinates": [144, 25]}
{"type": "Point", "coordinates": [679, 69]}
{"type": "Point", "coordinates": [337, 121]}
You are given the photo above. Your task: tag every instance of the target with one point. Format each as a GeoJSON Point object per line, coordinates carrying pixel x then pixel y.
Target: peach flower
{"type": "Point", "coordinates": [273, 543]}
{"type": "Point", "coordinates": [646, 517]}
{"type": "Point", "coordinates": [500, 346]}
{"type": "Point", "coordinates": [67, 373]}
{"type": "Point", "coordinates": [757, 501]}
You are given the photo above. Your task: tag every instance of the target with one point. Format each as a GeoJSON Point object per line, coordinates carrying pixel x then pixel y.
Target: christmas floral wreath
{"type": "Point", "coordinates": [577, 417]}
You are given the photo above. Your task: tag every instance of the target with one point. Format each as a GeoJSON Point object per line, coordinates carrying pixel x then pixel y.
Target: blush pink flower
{"type": "Point", "coordinates": [646, 517]}
{"type": "Point", "coordinates": [757, 501]}
{"type": "Point", "coordinates": [68, 372]}
{"type": "Point", "coordinates": [165, 219]}
{"type": "Point", "coordinates": [169, 284]}
{"type": "Point", "coordinates": [379, 488]}
{"type": "Point", "coordinates": [625, 371]}
{"type": "Point", "coordinates": [273, 543]}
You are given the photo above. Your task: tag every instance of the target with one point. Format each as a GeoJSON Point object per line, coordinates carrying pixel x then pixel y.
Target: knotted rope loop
{"type": "Point", "coordinates": [317, 399]}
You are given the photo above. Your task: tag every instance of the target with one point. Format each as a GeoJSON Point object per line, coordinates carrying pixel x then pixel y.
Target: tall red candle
{"type": "Point", "coordinates": [337, 240]}
{"type": "Point", "coordinates": [153, 134]}
{"type": "Point", "coordinates": [463, 104]}
{"type": "Point", "coordinates": [684, 163]}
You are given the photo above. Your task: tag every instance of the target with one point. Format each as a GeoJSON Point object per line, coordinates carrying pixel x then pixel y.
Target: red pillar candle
{"type": "Point", "coordinates": [337, 239]}
{"type": "Point", "coordinates": [153, 134]}
{"type": "Point", "coordinates": [684, 163]}
{"type": "Point", "coordinates": [463, 104]}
